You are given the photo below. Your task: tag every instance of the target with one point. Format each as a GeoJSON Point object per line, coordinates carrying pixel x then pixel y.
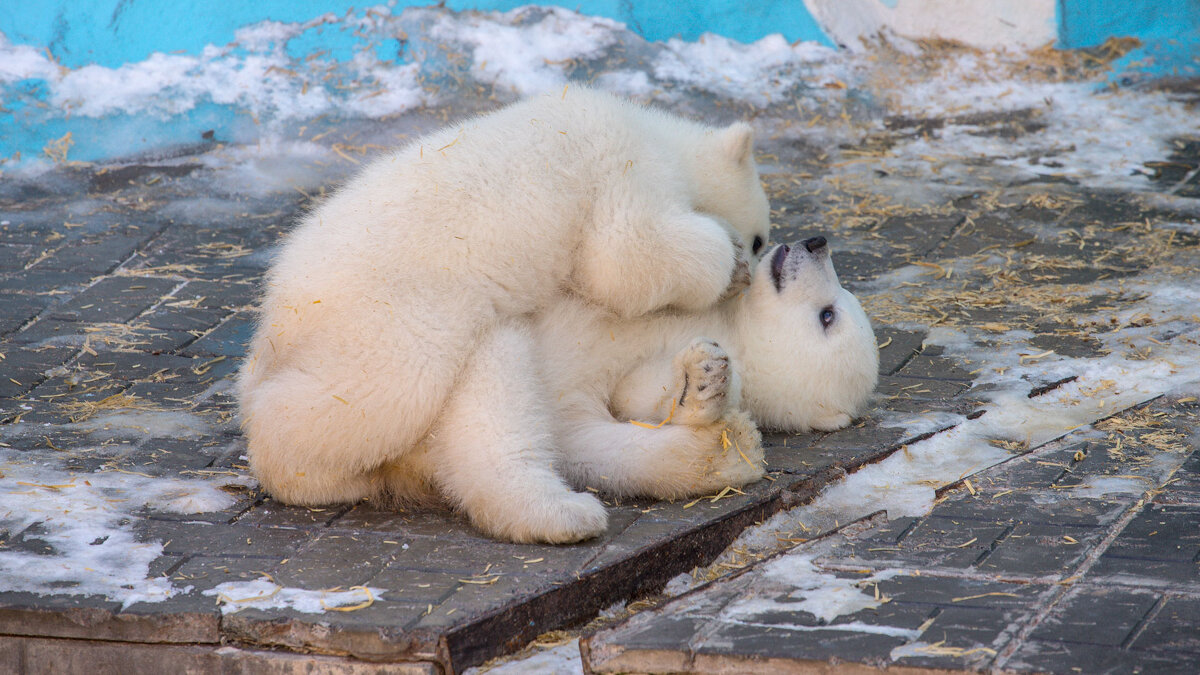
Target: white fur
{"type": "Point", "coordinates": [392, 357]}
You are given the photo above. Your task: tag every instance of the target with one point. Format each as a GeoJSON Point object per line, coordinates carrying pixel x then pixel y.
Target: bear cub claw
{"type": "Point", "coordinates": [705, 389]}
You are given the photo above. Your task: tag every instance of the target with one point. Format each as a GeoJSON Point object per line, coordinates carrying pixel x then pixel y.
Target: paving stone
{"type": "Point", "coordinates": [956, 639]}
{"type": "Point", "coordinates": [15, 257]}
{"type": "Point", "coordinates": [1175, 628]}
{"type": "Point", "coordinates": [1160, 532]}
{"type": "Point", "coordinates": [338, 560]}
{"type": "Point", "coordinates": [51, 332]}
{"type": "Point", "coordinates": [169, 457]}
{"type": "Point", "coordinates": [200, 538]}
{"type": "Point", "coordinates": [209, 571]}
{"type": "Point", "coordinates": [62, 616]}
{"type": "Point", "coordinates": [273, 514]}
{"type": "Point", "coordinates": [25, 368]}
{"type": "Point", "coordinates": [1185, 483]}
{"type": "Point", "coordinates": [94, 254]}
{"type": "Point", "coordinates": [139, 336]}
{"type": "Point", "coordinates": [224, 295]}
{"type": "Point", "coordinates": [18, 310]}
{"type": "Point", "coordinates": [366, 516]}
{"type": "Point", "coordinates": [1065, 657]}
{"type": "Point", "coordinates": [417, 587]}
{"type": "Point", "coordinates": [45, 282]}
{"type": "Point", "coordinates": [932, 542]}
{"type": "Point", "coordinates": [228, 339]}
{"type": "Point", "coordinates": [899, 347]}
{"type": "Point", "coordinates": [134, 365]}
{"type": "Point", "coordinates": [84, 656]}
{"type": "Point", "coordinates": [382, 632]}
{"type": "Point", "coordinates": [1036, 507]}
{"type": "Point", "coordinates": [1074, 619]}
{"type": "Point", "coordinates": [1159, 546]}
{"type": "Point", "coordinates": [929, 364]}
{"type": "Point", "coordinates": [114, 300]}
{"type": "Point", "coordinates": [919, 235]}
{"type": "Point", "coordinates": [921, 389]}
{"type": "Point", "coordinates": [184, 319]}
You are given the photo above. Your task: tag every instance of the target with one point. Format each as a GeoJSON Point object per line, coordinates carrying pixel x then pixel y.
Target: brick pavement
{"type": "Point", "coordinates": [126, 297]}
{"type": "Point", "coordinates": [1020, 572]}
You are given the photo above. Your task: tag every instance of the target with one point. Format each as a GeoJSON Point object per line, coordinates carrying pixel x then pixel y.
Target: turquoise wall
{"type": "Point", "coordinates": [1169, 31]}
{"type": "Point", "coordinates": [112, 32]}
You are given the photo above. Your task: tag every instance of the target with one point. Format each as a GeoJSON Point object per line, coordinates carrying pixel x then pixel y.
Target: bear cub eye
{"type": "Point", "coordinates": [827, 316]}
{"type": "Point", "coordinates": [757, 245]}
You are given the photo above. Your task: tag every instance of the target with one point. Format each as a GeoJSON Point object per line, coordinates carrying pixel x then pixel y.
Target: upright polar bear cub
{"type": "Point", "coordinates": [393, 355]}
{"type": "Point", "coordinates": [794, 352]}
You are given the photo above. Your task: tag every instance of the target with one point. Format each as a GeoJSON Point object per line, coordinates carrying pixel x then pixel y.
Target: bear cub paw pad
{"type": "Point", "coordinates": [706, 376]}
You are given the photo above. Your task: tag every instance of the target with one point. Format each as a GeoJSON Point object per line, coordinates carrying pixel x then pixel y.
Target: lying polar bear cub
{"type": "Point", "coordinates": [794, 352]}
{"type": "Point", "coordinates": [663, 405]}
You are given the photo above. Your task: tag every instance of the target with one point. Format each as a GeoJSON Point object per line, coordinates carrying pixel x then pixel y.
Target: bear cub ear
{"type": "Point", "coordinates": [737, 142]}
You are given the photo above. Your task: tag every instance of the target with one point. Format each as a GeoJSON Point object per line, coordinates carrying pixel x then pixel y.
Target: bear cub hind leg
{"type": "Point", "coordinates": [710, 396]}
{"type": "Point", "coordinates": [492, 454]}
{"type": "Point", "coordinates": [703, 444]}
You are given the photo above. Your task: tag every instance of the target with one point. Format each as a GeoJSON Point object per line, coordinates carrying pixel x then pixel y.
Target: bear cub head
{"type": "Point", "coordinates": [811, 357]}
{"type": "Point", "coordinates": [728, 185]}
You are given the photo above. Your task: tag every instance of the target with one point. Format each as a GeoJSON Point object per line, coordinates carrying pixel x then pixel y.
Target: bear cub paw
{"type": "Point", "coordinates": [738, 459]}
{"type": "Point", "coordinates": [705, 388]}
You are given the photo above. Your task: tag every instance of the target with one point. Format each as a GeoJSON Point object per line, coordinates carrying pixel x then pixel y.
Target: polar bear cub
{"type": "Point", "coordinates": [665, 405]}
{"type": "Point", "coordinates": [394, 318]}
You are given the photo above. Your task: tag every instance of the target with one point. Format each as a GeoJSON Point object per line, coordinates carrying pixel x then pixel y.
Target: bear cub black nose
{"type": "Point", "coordinates": [814, 244]}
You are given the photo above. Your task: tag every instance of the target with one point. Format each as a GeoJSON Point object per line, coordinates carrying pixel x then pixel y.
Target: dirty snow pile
{"type": "Point", "coordinates": [265, 593]}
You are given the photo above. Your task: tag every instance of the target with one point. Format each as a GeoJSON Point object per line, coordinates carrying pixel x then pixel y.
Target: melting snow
{"type": "Point", "coordinates": [799, 585]}
{"type": "Point", "coordinates": [264, 593]}
{"type": "Point", "coordinates": [82, 541]}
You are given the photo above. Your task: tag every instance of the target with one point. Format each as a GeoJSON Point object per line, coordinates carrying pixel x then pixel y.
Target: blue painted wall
{"type": "Point", "coordinates": [1169, 31]}
{"type": "Point", "coordinates": [115, 32]}
{"type": "Point", "coordinates": [112, 32]}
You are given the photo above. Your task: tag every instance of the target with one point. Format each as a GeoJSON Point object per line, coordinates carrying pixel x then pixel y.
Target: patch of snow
{"type": "Point", "coordinates": [561, 660]}
{"type": "Point", "coordinates": [77, 533]}
{"type": "Point", "coordinates": [1095, 137]}
{"type": "Point", "coordinates": [806, 588]}
{"type": "Point", "coordinates": [126, 424]}
{"type": "Point", "coordinates": [264, 593]}
{"type": "Point", "coordinates": [527, 57]}
{"type": "Point", "coordinates": [24, 62]}
{"type": "Point", "coordinates": [136, 424]}
{"type": "Point", "coordinates": [759, 73]}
